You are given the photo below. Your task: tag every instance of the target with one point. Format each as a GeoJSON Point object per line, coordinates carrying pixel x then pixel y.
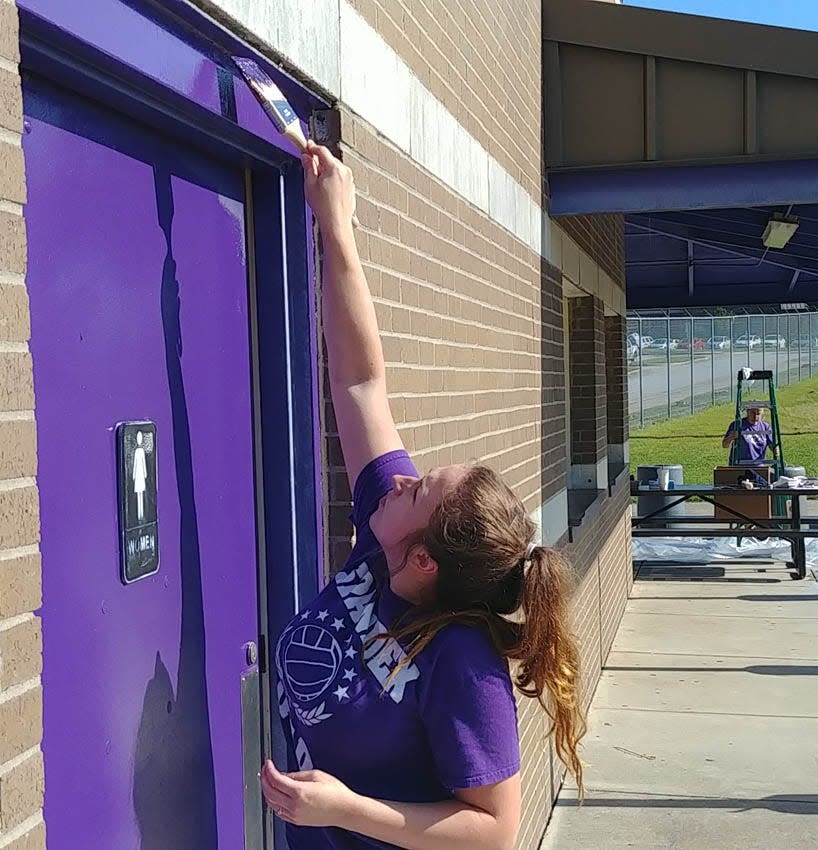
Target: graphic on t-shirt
{"type": "Point", "coordinates": [319, 656]}
{"type": "Point", "coordinates": [311, 660]}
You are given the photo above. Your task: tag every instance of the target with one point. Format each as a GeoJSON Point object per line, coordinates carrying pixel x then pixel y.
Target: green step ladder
{"type": "Point", "coordinates": [767, 401]}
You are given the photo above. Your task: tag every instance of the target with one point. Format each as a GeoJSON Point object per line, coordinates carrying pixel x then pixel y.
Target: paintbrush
{"type": "Point", "coordinates": [278, 109]}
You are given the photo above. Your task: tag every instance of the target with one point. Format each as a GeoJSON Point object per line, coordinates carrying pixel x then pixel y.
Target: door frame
{"type": "Point", "coordinates": [67, 47]}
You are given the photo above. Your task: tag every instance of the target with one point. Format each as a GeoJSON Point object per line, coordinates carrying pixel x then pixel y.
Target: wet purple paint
{"type": "Point", "coordinates": [136, 41]}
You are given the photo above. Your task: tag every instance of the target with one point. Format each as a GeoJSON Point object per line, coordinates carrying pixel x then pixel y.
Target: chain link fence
{"type": "Point", "coordinates": [678, 366]}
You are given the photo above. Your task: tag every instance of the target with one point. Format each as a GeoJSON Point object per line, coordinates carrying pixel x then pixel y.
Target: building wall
{"type": "Point", "coordinates": [458, 305]}
{"type": "Point", "coordinates": [601, 237]}
{"type": "Point", "coordinates": [441, 126]}
{"type": "Point", "coordinates": [21, 763]}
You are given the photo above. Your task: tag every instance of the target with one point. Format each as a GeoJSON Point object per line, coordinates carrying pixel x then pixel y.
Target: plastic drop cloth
{"type": "Point", "coordinates": [697, 550]}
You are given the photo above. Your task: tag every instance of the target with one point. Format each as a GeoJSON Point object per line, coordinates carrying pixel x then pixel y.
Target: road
{"type": "Point", "coordinates": [652, 388]}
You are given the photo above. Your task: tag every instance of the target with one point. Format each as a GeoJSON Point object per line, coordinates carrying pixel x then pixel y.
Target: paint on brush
{"type": "Point", "coordinates": [272, 101]}
{"type": "Point", "coordinates": [283, 116]}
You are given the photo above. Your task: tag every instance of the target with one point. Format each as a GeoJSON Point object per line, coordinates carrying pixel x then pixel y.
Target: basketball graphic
{"type": "Point", "coordinates": [311, 659]}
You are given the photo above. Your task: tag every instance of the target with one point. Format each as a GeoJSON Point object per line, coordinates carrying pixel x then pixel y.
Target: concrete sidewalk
{"type": "Point", "coordinates": [703, 731]}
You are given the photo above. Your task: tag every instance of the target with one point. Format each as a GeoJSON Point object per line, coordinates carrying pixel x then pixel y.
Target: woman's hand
{"type": "Point", "coordinates": [329, 187]}
{"type": "Point", "coordinates": [307, 798]}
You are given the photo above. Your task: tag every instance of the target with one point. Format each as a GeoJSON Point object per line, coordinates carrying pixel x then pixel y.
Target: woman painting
{"type": "Point", "coordinates": [394, 684]}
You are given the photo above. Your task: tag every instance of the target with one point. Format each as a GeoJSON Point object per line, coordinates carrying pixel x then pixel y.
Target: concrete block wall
{"type": "Point", "coordinates": [458, 300]}
{"type": "Point", "coordinates": [21, 762]}
{"type": "Point", "coordinates": [441, 127]}
{"type": "Point", "coordinates": [552, 375]}
{"type": "Point", "coordinates": [600, 555]}
{"type": "Point", "coordinates": [616, 380]}
{"type": "Point", "coordinates": [481, 60]}
{"type": "Point", "coordinates": [587, 392]}
{"type": "Point", "coordinates": [601, 237]}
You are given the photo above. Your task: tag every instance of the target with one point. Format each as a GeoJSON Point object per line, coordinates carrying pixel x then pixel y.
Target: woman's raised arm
{"type": "Point", "coordinates": [355, 356]}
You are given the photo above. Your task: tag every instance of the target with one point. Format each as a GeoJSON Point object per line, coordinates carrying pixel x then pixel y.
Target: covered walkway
{"type": "Point", "coordinates": [704, 725]}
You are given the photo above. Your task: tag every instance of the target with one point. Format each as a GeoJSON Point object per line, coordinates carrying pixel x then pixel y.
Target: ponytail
{"type": "Point", "coordinates": [476, 535]}
{"type": "Point", "coordinates": [548, 655]}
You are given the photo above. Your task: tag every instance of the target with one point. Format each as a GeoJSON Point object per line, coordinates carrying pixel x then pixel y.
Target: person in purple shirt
{"type": "Point", "coordinates": [755, 436]}
{"type": "Point", "coordinates": [394, 688]}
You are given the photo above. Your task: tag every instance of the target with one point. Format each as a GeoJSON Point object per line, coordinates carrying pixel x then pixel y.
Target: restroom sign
{"type": "Point", "coordinates": [138, 534]}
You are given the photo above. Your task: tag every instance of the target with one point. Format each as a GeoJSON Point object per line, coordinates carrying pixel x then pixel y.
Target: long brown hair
{"type": "Point", "coordinates": [478, 535]}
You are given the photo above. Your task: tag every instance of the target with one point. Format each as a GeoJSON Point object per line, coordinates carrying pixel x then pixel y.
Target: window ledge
{"type": "Point", "coordinates": [583, 506]}
{"type": "Point", "coordinates": [617, 473]}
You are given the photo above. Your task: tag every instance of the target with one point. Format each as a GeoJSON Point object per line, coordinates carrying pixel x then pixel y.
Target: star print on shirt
{"type": "Point", "coordinates": [322, 615]}
{"type": "Point", "coordinates": [305, 615]}
{"type": "Point", "coordinates": [337, 624]}
{"type": "Point", "coordinates": [341, 693]}
{"type": "Point", "coordinates": [350, 653]}
{"type": "Point", "coordinates": [349, 675]}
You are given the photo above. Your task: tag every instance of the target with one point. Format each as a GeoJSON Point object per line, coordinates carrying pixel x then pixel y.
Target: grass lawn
{"type": "Point", "coordinates": [695, 441]}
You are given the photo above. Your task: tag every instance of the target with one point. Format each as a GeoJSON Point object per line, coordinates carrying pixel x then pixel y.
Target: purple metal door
{"type": "Point", "coordinates": [139, 302]}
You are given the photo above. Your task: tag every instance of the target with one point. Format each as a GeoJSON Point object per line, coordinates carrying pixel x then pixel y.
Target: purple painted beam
{"type": "Point", "coordinates": [661, 188]}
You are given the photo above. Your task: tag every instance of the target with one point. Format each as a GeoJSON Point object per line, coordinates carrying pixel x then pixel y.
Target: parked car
{"type": "Point", "coordinates": [698, 344]}
{"type": "Point", "coordinates": [745, 341]}
{"type": "Point", "coordinates": [718, 343]}
{"type": "Point", "coordinates": [804, 342]}
{"type": "Point", "coordinates": [663, 344]}
{"type": "Point", "coordinates": [774, 341]}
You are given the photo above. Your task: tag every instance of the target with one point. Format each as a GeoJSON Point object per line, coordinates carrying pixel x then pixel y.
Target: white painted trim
{"type": "Point", "coordinates": [551, 518]}
{"type": "Point", "coordinates": [329, 42]}
{"type": "Point", "coordinates": [388, 95]}
{"type": "Point", "coordinates": [602, 473]}
{"type": "Point", "coordinates": [585, 476]}
{"type": "Point", "coordinates": [582, 476]}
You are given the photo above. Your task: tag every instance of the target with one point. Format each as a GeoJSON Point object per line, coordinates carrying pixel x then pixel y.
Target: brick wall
{"type": "Point", "coordinates": [616, 377]}
{"type": "Point", "coordinates": [601, 237]}
{"type": "Point", "coordinates": [587, 391]}
{"type": "Point", "coordinates": [459, 305]}
{"type": "Point", "coordinates": [21, 764]}
{"type": "Point", "coordinates": [481, 59]}
{"type": "Point", "coordinates": [603, 576]}
{"type": "Point", "coordinates": [554, 437]}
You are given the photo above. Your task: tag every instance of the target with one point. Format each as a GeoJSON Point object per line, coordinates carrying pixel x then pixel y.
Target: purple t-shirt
{"type": "Point", "coordinates": [448, 720]}
{"type": "Point", "coordinates": [754, 439]}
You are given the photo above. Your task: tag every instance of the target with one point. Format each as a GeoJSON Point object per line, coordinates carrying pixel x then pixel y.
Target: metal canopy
{"type": "Point", "coordinates": [626, 86]}
{"type": "Point", "coordinates": [709, 257]}
{"type": "Point", "coordinates": [698, 129]}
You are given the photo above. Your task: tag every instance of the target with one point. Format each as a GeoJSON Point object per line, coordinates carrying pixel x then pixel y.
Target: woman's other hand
{"type": "Point", "coordinates": [329, 187]}
{"type": "Point", "coordinates": [307, 798]}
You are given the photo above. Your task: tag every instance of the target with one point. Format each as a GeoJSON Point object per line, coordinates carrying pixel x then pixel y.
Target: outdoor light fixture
{"type": "Point", "coordinates": [779, 230]}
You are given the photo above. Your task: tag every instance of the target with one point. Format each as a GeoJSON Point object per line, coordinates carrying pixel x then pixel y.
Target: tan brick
{"type": "Point", "coordinates": [18, 448]}
{"type": "Point", "coordinates": [32, 840]}
{"type": "Point", "coordinates": [21, 723]}
{"type": "Point", "coordinates": [21, 792]}
{"type": "Point", "coordinates": [11, 101]}
{"type": "Point", "coordinates": [20, 585]}
{"type": "Point", "coordinates": [16, 381]}
{"type": "Point", "coordinates": [12, 169]}
{"type": "Point", "coordinates": [21, 653]}
{"type": "Point", "coordinates": [19, 517]}
{"type": "Point", "coordinates": [9, 32]}
{"type": "Point", "coordinates": [12, 251]}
